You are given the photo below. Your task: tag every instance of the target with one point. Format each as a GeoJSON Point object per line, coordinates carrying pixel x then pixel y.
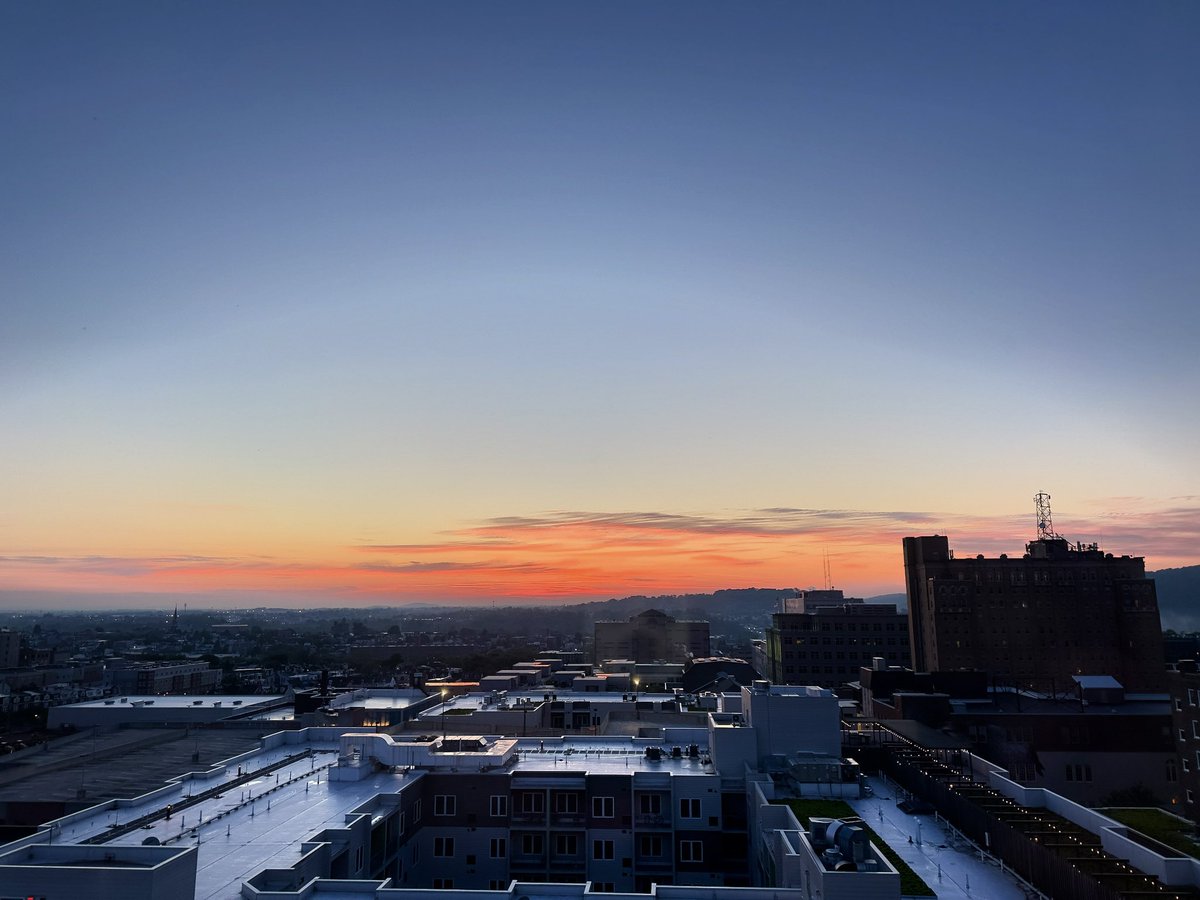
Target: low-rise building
{"type": "Point", "coordinates": [651, 636]}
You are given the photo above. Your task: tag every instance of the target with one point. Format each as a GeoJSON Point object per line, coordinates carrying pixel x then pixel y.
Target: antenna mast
{"type": "Point", "coordinates": [1045, 524]}
{"type": "Point", "coordinates": [828, 586]}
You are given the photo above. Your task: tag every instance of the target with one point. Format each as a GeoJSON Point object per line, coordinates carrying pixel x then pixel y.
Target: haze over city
{"type": "Point", "coordinates": [392, 303]}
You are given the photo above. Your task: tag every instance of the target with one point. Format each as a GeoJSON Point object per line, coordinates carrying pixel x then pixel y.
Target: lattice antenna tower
{"type": "Point", "coordinates": [828, 584]}
{"type": "Point", "coordinates": [1045, 523]}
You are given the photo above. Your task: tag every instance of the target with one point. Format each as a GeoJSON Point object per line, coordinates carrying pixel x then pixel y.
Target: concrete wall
{"type": "Point", "coordinates": [791, 720]}
{"type": "Point", "coordinates": [69, 872]}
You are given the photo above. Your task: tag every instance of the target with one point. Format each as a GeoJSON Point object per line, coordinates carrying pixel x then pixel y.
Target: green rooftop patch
{"type": "Point", "coordinates": [1163, 827]}
{"type": "Point", "coordinates": [911, 884]}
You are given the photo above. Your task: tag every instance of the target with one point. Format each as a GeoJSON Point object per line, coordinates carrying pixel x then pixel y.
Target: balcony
{"type": "Point", "coordinates": [523, 860]}
{"type": "Point", "coordinates": [652, 822]}
{"type": "Point", "coordinates": [568, 820]}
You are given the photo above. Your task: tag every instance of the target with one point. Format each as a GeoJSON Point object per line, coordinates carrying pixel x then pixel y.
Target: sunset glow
{"type": "Point", "coordinates": [407, 303]}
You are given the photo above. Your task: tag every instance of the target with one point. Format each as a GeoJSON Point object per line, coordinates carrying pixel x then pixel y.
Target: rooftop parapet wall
{"type": "Point", "coordinates": [1115, 838]}
{"type": "Point", "coordinates": [361, 750]}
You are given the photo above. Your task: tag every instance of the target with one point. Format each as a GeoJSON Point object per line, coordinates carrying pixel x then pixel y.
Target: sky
{"type": "Point", "coordinates": [373, 303]}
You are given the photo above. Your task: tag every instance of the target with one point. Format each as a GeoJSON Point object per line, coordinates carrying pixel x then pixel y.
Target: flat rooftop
{"type": "Point", "coordinates": [262, 823]}
{"type": "Point", "coordinates": [244, 830]}
{"type": "Point", "coordinates": [179, 701]}
{"type": "Point", "coordinates": [537, 696]}
{"type": "Point", "coordinates": [387, 698]}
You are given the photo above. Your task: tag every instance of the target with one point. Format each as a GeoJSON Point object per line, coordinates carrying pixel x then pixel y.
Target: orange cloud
{"type": "Point", "coordinates": [587, 555]}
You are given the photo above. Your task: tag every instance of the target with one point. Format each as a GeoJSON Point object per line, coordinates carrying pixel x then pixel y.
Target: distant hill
{"type": "Point", "coordinates": [1179, 597]}
{"type": "Point", "coordinates": [901, 600]}
{"type": "Point", "coordinates": [733, 603]}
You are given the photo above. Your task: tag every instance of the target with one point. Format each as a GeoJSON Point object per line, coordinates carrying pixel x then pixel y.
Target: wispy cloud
{"type": "Point", "coordinates": [586, 554]}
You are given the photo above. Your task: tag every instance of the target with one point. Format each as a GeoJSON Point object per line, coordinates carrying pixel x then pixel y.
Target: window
{"type": "Point", "coordinates": [650, 804]}
{"type": "Point", "coordinates": [499, 805]}
{"type": "Point", "coordinates": [1190, 798]}
{"type": "Point", "coordinates": [417, 811]}
{"type": "Point", "coordinates": [358, 859]}
{"type": "Point", "coordinates": [499, 884]}
{"type": "Point", "coordinates": [1172, 771]}
{"type": "Point", "coordinates": [533, 802]}
{"type": "Point", "coordinates": [602, 850]}
{"type": "Point", "coordinates": [1191, 696]}
{"type": "Point", "coordinates": [691, 851]}
{"type": "Point", "coordinates": [443, 884]}
{"type": "Point", "coordinates": [566, 844]}
{"type": "Point", "coordinates": [602, 807]}
{"type": "Point", "coordinates": [689, 808]}
{"type": "Point", "coordinates": [650, 845]}
{"type": "Point", "coordinates": [531, 843]}
{"type": "Point", "coordinates": [1178, 704]}
{"type": "Point", "coordinates": [566, 803]}
{"type": "Point", "coordinates": [1182, 735]}
{"type": "Point", "coordinates": [443, 846]}
{"type": "Point", "coordinates": [445, 804]}
{"type": "Point", "coordinates": [498, 848]}
{"type": "Point", "coordinates": [1078, 772]}
{"type": "Point", "coordinates": [603, 887]}
{"type": "Point", "coordinates": [1195, 729]}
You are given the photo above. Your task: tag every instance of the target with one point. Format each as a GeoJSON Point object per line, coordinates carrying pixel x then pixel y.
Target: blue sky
{"type": "Point", "coordinates": [283, 279]}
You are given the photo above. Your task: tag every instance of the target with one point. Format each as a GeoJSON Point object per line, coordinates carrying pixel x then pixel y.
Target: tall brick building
{"type": "Point", "coordinates": [1060, 610]}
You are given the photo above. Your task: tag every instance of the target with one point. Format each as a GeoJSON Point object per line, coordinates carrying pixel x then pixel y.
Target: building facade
{"type": "Point", "coordinates": [651, 636]}
{"type": "Point", "coordinates": [10, 648]}
{"type": "Point", "coordinates": [1060, 610]}
{"type": "Point", "coordinates": [823, 638]}
{"type": "Point", "coordinates": [167, 678]}
{"type": "Point", "coordinates": [1090, 744]}
{"type": "Point", "coordinates": [1183, 683]}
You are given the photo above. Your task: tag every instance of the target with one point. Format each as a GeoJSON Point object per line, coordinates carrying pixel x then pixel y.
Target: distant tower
{"type": "Point", "coordinates": [175, 619]}
{"type": "Point", "coordinates": [1045, 524]}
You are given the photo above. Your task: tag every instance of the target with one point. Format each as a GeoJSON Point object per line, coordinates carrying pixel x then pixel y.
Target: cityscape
{"type": "Point", "coordinates": [526, 451]}
{"type": "Point", "coordinates": [1012, 726]}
